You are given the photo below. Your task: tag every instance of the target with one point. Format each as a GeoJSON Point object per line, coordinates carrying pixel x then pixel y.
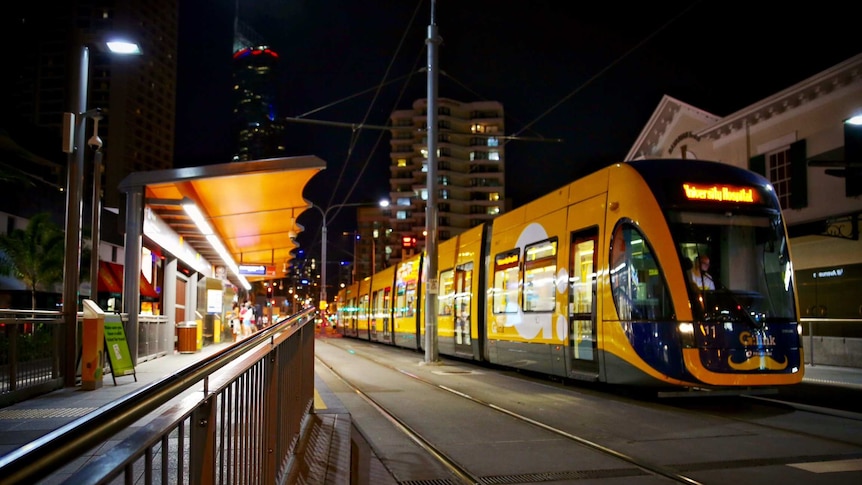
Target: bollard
{"type": "Point", "coordinates": [92, 346]}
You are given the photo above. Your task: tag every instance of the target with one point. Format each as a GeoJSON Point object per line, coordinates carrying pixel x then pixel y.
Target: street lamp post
{"type": "Point", "coordinates": [73, 145]}
{"type": "Point", "coordinates": [324, 214]}
{"type": "Point", "coordinates": [74, 139]}
{"type": "Point", "coordinates": [373, 253]}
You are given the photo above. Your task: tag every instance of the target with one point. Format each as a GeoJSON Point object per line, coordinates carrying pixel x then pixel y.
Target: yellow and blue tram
{"type": "Point", "coordinates": [592, 282]}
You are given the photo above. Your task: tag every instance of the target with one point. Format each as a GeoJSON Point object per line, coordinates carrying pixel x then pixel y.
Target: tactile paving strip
{"type": "Point", "coordinates": [46, 413]}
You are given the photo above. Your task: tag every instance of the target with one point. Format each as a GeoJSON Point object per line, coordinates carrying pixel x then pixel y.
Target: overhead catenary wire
{"type": "Point", "coordinates": [610, 66]}
{"type": "Point", "coordinates": [355, 133]}
{"type": "Point", "coordinates": [356, 128]}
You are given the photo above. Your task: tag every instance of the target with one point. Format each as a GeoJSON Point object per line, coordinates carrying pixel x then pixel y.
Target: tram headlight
{"type": "Point", "coordinates": [686, 334]}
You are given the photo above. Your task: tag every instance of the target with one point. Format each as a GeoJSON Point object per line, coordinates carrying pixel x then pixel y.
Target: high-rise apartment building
{"type": "Point", "coordinates": [470, 171]}
{"type": "Point", "coordinates": [137, 94]}
{"type": "Point", "coordinates": [135, 97]}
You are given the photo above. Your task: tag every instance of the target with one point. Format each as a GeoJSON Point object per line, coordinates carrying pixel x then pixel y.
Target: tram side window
{"type": "Point", "coordinates": [362, 311]}
{"type": "Point", "coordinates": [447, 293]}
{"type": "Point", "coordinates": [505, 292]}
{"type": "Point", "coordinates": [400, 299]}
{"type": "Point", "coordinates": [410, 301]}
{"type": "Point", "coordinates": [540, 268]}
{"type": "Point", "coordinates": [637, 282]}
{"type": "Point", "coordinates": [351, 310]}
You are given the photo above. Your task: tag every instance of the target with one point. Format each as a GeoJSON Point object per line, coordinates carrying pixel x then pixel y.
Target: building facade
{"type": "Point", "coordinates": [136, 96]}
{"type": "Point", "coordinates": [803, 140]}
{"type": "Point", "coordinates": [471, 171]}
{"type": "Point", "coordinates": [374, 243]}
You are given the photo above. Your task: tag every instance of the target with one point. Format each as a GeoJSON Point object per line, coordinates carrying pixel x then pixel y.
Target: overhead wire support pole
{"type": "Point", "coordinates": [431, 282]}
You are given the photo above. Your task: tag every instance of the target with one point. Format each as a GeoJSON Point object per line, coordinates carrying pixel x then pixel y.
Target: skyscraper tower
{"type": "Point", "coordinates": [258, 132]}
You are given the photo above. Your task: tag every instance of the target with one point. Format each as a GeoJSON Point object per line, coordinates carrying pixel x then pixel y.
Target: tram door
{"type": "Point", "coordinates": [462, 307]}
{"type": "Point", "coordinates": [351, 323]}
{"type": "Point", "coordinates": [380, 316]}
{"type": "Point", "coordinates": [583, 262]}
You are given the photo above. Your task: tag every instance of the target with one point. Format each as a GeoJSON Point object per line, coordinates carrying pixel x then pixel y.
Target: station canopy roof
{"type": "Point", "coordinates": [252, 207]}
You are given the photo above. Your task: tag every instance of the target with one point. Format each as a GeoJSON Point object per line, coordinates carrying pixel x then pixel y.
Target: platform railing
{"type": "Point", "coordinates": [239, 420]}
{"type": "Point", "coordinates": [32, 344]}
{"type": "Point", "coordinates": [832, 341]}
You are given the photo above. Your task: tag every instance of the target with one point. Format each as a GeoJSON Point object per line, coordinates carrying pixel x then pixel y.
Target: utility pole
{"type": "Point", "coordinates": [431, 282]}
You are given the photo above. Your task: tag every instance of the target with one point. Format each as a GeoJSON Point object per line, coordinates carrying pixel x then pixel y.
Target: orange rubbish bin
{"type": "Point", "coordinates": [187, 336]}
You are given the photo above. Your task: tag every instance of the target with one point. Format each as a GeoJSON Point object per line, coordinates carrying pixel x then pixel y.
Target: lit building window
{"type": "Point", "coordinates": [493, 211]}
{"type": "Point", "coordinates": [494, 196]}
{"type": "Point", "coordinates": [493, 155]}
{"type": "Point", "coordinates": [402, 162]}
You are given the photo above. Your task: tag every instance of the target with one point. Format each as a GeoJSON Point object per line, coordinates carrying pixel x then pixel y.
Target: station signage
{"type": "Point", "coordinates": [256, 270]}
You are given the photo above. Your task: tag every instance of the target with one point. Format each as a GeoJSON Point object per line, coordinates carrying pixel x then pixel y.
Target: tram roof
{"type": "Point", "coordinates": [251, 206]}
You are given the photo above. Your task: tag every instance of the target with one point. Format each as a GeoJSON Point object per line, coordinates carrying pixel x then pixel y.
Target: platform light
{"type": "Point", "coordinates": [203, 226]}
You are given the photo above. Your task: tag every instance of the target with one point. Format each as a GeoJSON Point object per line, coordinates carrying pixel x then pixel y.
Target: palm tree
{"type": "Point", "coordinates": [35, 254]}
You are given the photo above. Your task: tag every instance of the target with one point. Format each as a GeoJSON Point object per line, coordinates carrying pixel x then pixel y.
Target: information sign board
{"type": "Point", "coordinates": [117, 348]}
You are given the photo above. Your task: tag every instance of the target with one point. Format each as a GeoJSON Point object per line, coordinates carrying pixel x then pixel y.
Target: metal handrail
{"type": "Point", "coordinates": [812, 324]}
{"type": "Point", "coordinates": [59, 447]}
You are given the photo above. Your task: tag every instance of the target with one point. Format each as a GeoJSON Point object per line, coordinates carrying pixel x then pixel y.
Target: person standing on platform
{"type": "Point", "coordinates": [235, 321]}
{"type": "Point", "coordinates": [248, 323]}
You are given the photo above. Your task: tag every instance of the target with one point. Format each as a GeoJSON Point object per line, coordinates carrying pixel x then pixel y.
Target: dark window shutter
{"type": "Point", "coordinates": [798, 175]}
{"type": "Point", "coordinates": [853, 159]}
{"type": "Point", "coordinates": [758, 164]}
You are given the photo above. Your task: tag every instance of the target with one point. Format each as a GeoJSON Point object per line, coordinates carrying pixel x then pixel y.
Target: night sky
{"type": "Point", "coordinates": [590, 76]}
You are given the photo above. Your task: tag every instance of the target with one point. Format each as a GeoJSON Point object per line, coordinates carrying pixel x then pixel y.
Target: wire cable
{"type": "Point", "coordinates": [611, 65]}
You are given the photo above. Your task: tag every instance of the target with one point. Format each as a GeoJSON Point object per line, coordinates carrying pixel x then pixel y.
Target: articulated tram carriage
{"type": "Point", "coordinates": [597, 281]}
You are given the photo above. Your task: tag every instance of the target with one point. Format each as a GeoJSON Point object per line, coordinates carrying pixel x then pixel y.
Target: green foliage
{"type": "Point", "coordinates": [35, 254]}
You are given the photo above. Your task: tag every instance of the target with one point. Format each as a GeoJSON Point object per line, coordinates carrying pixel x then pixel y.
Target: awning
{"type": "Point", "coordinates": [251, 207]}
{"type": "Point", "coordinates": [108, 281]}
{"type": "Point", "coordinates": [114, 272]}
{"type": "Point", "coordinates": [147, 288]}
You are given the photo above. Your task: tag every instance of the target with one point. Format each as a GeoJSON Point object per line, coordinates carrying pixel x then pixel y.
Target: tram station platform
{"type": "Point", "coordinates": [329, 447]}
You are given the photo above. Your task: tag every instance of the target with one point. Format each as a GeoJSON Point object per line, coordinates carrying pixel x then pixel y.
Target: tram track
{"type": "Point", "coordinates": [459, 470]}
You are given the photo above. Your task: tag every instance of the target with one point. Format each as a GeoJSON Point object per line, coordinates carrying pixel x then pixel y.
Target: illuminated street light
{"type": "Point", "coordinates": [74, 139]}
{"type": "Point", "coordinates": [324, 214]}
